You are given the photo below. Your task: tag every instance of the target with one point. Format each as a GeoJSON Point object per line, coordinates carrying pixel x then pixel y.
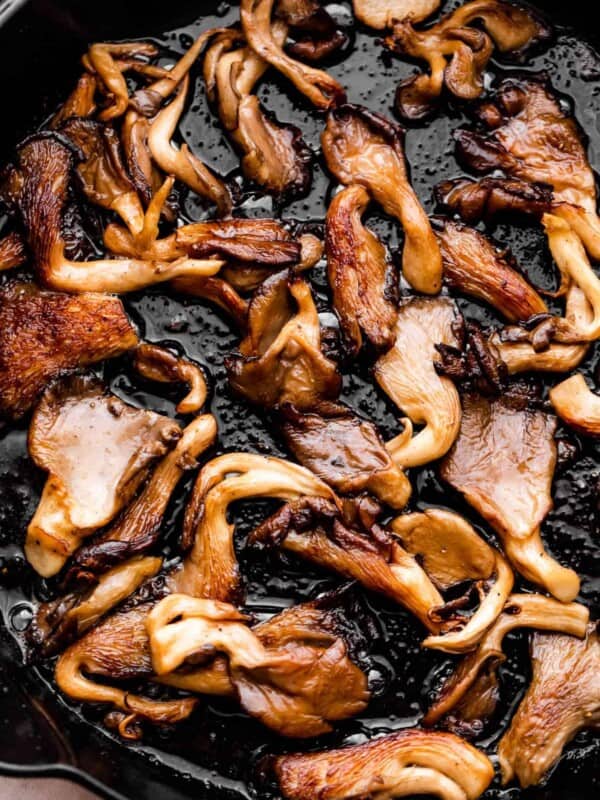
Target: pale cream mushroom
{"type": "Point", "coordinates": [577, 405]}
{"type": "Point", "coordinates": [381, 14]}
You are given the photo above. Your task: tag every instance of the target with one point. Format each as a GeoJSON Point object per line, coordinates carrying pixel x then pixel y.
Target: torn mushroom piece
{"type": "Point", "coordinates": [458, 54]}
{"type": "Point", "coordinates": [280, 360]}
{"type": "Point", "coordinates": [298, 688]}
{"type": "Point", "coordinates": [13, 252]}
{"type": "Point", "coordinates": [407, 763]}
{"type": "Point", "coordinates": [157, 364]}
{"type": "Point", "coordinates": [503, 463]}
{"type": "Point", "coordinates": [315, 33]}
{"type": "Point", "coordinates": [80, 103]}
{"type": "Point", "coordinates": [562, 699]}
{"type": "Point", "coordinates": [361, 147]}
{"type": "Point", "coordinates": [319, 87]}
{"type": "Point", "coordinates": [381, 14]}
{"type": "Point", "coordinates": [577, 405]}
{"type": "Point", "coordinates": [46, 334]}
{"type": "Point", "coordinates": [217, 291]}
{"type": "Point", "coordinates": [274, 156]}
{"type": "Point", "coordinates": [40, 184]}
{"type": "Point", "coordinates": [345, 451]}
{"type": "Point", "coordinates": [475, 266]}
{"type": "Point", "coordinates": [362, 279]}
{"type": "Point", "coordinates": [408, 376]}
{"type": "Point", "coordinates": [143, 173]}
{"type": "Point", "coordinates": [469, 696]}
{"type": "Point", "coordinates": [96, 451]}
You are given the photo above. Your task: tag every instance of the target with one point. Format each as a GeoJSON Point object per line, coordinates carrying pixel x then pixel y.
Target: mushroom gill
{"type": "Point", "coordinates": [319, 87]}
{"type": "Point", "coordinates": [381, 14]}
{"type": "Point", "coordinates": [361, 147]}
{"type": "Point", "coordinates": [563, 698]}
{"type": "Point", "coordinates": [503, 463]}
{"type": "Point", "coordinates": [407, 763]}
{"type": "Point", "coordinates": [577, 405]}
{"type": "Point", "coordinates": [362, 280]}
{"type": "Point", "coordinates": [96, 451]}
{"type": "Point", "coordinates": [458, 54]}
{"type": "Point", "coordinates": [469, 695]}
{"type": "Point", "coordinates": [157, 364]}
{"type": "Point", "coordinates": [408, 376]}
{"type": "Point", "coordinates": [13, 252]}
{"type": "Point", "coordinates": [46, 334]}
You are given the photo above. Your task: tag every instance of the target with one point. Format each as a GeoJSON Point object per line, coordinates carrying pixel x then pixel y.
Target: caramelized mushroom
{"type": "Point", "coordinates": [143, 173]}
{"type": "Point", "coordinates": [361, 278]}
{"type": "Point", "coordinates": [274, 156]}
{"type": "Point", "coordinates": [211, 569]}
{"type": "Point", "coordinates": [407, 763]}
{"type": "Point", "coordinates": [461, 689]}
{"type": "Point", "coordinates": [381, 14]}
{"type": "Point", "coordinates": [503, 463]}
{"type": "Point", "coordinates": [345, 451]}
{"type": "Point", "coordinates": [577, 405]}
{"type": "Point", "coordinates": [407, 374]}
{"type": "Point", "coordinates": [158, 364]}
{"type": "Point", "coordinates": [319, 87]}
{"type": "Point", "coordinates": [562, 699]}
{"type": "Point", "coordinates": [80, 103]}
{"type": "Point", "coordinates": [364, 148]}
{"type": "Point", "coordinates": [280, 360]}
{"type": "Point", "coordinates": [474, 200]}
{"type": "Point", "coordinates": [13, 252]}
{"type": "Point", "coordinates": [74, 423]}
{"type": "Point", "coordinates": [101, 59]}
{"type": "Point", "coordinates": [217, 291]}
{"type": "Point", "coordinates": [456, 54]}
{"type": "Point", "coordinates": [478, 268]}
{"type": "Point", "coordinates": [46, 334]}
{"type": "Point", "coordinates": [315, 32]}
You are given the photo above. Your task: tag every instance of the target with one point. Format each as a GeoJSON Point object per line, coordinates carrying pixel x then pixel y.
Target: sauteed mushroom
{"type": "Point", "coordinates": [158, 364]}
{"type": "Point", "coordinates": [503, 463]}
{"type": "Point", "coordinates": [13, 252]}
{"type": "Point", "coordinates": [364, 148]}
{"type": "Point", "coordinates": [577, 405]}
{"type": "Point", "coordinates": [410, 762]}
{"type": "Point", "coordinates": [46, 334]}
{"type": "Point", "coordinates": [74, 422]}
{"type": "Point", "coordinates": [407, 374]}
{"type": "Point", "coordinates": [80, 103]}
{"type": "Point", "coordinates": [382, 14]}
{"type": "Point", "coordinates": [101, 58]}
{"type": "Point", "coordinates": [315, 32]}
{"type": "Point", "coordinates": [562, 699]}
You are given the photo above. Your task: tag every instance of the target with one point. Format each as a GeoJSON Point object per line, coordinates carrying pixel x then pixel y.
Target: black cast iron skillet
{"type": "Point", "coordinates": [216, 755]}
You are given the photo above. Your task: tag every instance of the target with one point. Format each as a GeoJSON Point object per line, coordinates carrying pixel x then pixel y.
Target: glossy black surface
{"type": "Point", "coordinates": [217, 753]}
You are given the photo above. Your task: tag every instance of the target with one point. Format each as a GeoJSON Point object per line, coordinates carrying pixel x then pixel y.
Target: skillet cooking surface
{"type": "Point", "coordinates": [216, 753]}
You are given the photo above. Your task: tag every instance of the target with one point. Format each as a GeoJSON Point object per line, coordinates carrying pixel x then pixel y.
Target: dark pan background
{"type": "Point", "coordinates": [217, 754]}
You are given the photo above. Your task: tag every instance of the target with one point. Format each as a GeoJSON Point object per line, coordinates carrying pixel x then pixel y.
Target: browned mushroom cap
{"type": "Point", "coordinates": [13, 252]}
{"type": "Point", "coordinates": [182, 163]}
{"type": "Point", "coordinates": [362, 280]}
{"type": "Point", "coordinates": [319, 87]}
{"type": "Point", "coordinates": [316, 530]}
{"type": "Point", "coordinates": [408, 376]}
{"type": "Point", "coordinates": [143, 173]}
{"type": "Point", "coordinates": [158, 364]}
{"type": "Point", "coordinates": [410, 762]}
{"type": "Point", "coordinates": [503, 463]}
{"type": "Point", "coordinates": [45, 334]}
{"type": "Point", "coordinates": [534, 139]}
{"type": "Point", "coordinates": [577, 405]}
{"type": "Point", "coordinates": [39, 185]}
{"type": "Point", "coordinates": [470, 691]}
{"type": "Point", "coordinates": [217, 291]}
{"type": "Point", "coordinates": [255, 241]}
{"type": "Point", "coordinates": [366, 148]}
{"type": "Point", "coordinates": [315, 32]}
{"type": "Point", "coordinates": [211, 568]}
{"type": "Point", "coordinates": [274, 156]}
{"type": "Point", "coordinates": [474, 200]}
{"type": "Point", "coordinates": [562, 699]}
{"type": "Point", "coordinates": [381, 14]}
{"type": "Point", "coordinates": [280, 360]}
{"type": "Point", "coordinates": [297, 688]}
{"type": "Point", "coordinates": [102, 173]}
{"type": "Point", "coordinates": [102, 60]}
{"type": "Point", "coordinates": [96, 451]}
{"type": "Point", "coordinates": [345, 451]}
{"type": "Point", "coordinates": [457, 55]}
{"type": "Point", "coordinates": [475, 266]}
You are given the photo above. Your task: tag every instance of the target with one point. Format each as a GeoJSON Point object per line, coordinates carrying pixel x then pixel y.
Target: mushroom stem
{"type": "Point", "coordinates": [533, 561]}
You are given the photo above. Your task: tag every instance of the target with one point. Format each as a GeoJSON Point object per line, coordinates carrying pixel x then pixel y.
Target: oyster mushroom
{"type": "Point", "coordinates": [217, 291]}
{"type": "Point", "coordinates": [143, 172]}
{"type": "Point", "coordinates": [182, 163]}
{"type": "Point", "coordinates": [280, 360]}
{"type": "Point", "coordinates": [577, 405]}
{"type": "Point", "coordinates": [158, 364]}
{"type": "Point", "coordinates": [457, 54]}
{"type": "Point", "coordinates": [319, 87]}
{"type": "Point", "coordinates": [274, 156]}
{"type": "Point", "coordinates": [463, 689]}
{"type": "Point", "coordinates": [476, 267]}
{"type": "Point", "coordinates": [13, 252]}
{"type": "Point", "coordinates": [503, 463]}
{"type": "Point", "coordinates": [408, 376]}
{"type": "Point", "coordinates": [362, 280]}
{"type": "Point", "coordinates": [80, 103]}
{"type": "Point", "coordinates": [75, 422]}
{"type": "Point", "coordinates": [46, 334]}
{"type": "Point", "coordinates": [345, 451]}
{"type": "Point", "coordinates": [562, 699]}
{"type": "Point", "coordinates": [381, 14]}
{"type": "Point", "coordinates": [407, 763]}
{"type": "Point", "coordinates": [102, 60]}
{"type": "Point", "coordinates": [315, 32]}
{"type": "Point", "coordinates": [361, 147]}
